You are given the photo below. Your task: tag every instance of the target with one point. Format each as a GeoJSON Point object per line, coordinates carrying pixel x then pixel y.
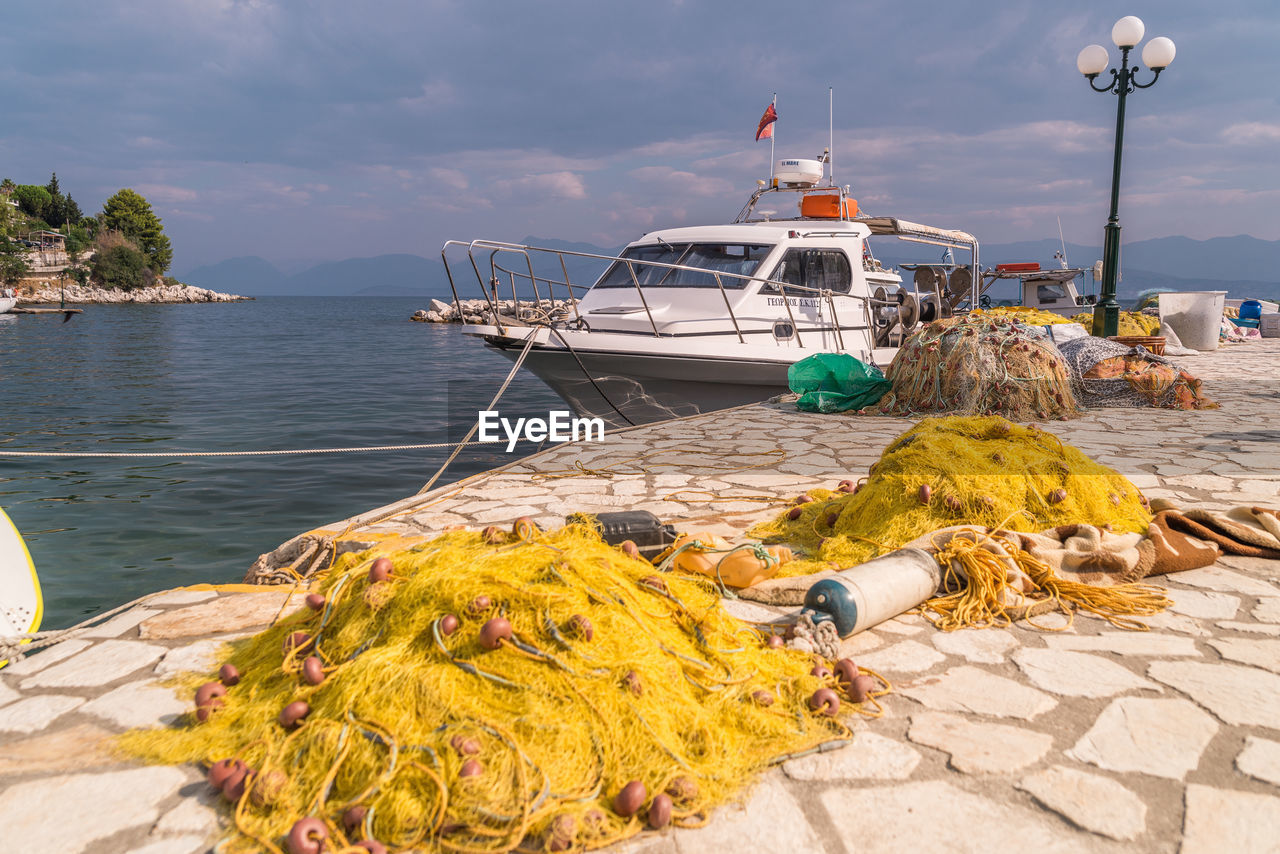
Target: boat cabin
{"type": "Point", "coordinates": [1048, 290]}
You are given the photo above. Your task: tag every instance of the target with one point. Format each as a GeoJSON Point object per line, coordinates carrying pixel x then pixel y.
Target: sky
{"type": "Point", "coordinates": [312, 131]}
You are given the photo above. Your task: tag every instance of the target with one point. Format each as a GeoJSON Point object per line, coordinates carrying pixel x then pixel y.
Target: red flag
{"type": "Point", "coordinates": [765, 129]}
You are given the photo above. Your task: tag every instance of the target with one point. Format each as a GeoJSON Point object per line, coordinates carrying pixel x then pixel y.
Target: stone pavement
{"type": "Point", "coordinates": [1089, 738]}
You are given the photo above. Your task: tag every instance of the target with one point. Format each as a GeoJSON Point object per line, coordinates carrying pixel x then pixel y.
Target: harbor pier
{"type": "Point", "coordinates": [1053, 738]}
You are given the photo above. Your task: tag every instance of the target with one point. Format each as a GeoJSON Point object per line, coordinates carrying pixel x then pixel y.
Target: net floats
{"type": "Point", "coordinates": [861, 688]}
{"type": "Point", "coordinates": [629, 800]}
{"type": "Point", "coordinates": [313, 670]}
{"type": "Point", "coordinates": [561, 833]}
{"type": "Point", "coordinates": [228, 776]}
{"type": "Point", "coordinates": [825, 701]}
{"type": "Point", "coordinates": [660, 811]}
{"type": "Point", "coordinates": [209, 699]}
{"type": "Point", "coordinates": [580, 627]}
{"type": "Point", "coordinates": [524, 528]}
{"type": "Point", "coordinates": [846, 672]}
{"type": "Point", "coordinates": [223, 770]}
{"type": "Point", "coordinates": [307, 836]}
{"type": "Point", "coordinates": [380, 570]}
{"type": "Point", "coordinates": [353, 817]}
{"type": "Point", "coordinates": [294, 642]}
{"type": "Point", "coordinates": [267, 788]}
{"type": "Point", "coordinates": [294, 713]}
{"type": "Point", "coordinates": [494, 632]}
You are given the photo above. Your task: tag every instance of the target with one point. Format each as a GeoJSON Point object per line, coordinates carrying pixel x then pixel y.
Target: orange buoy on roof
{"type": "Point", "coordinates": [827, 206]}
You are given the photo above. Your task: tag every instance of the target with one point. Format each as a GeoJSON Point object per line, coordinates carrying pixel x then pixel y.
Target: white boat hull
{"type": "Point", "coordinates": [7, 304]}
{"type": "Point", "coordinates": [639, 380]}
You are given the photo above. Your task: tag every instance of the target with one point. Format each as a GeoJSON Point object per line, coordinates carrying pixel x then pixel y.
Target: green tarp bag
{"type": "Point", "coordinates": [835, 382]}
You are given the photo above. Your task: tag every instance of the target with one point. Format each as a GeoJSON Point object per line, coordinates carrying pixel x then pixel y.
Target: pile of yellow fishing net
{"type": "Point", "coordinates": [979, 364]}
{"type": "Point", "coordinates": [1024, 314]}
{"type": "Point", "coordinates": [1132, 323]}
{"type": "Point", "coordinates": [956, 471]}
{"type": "Point", "coordinates": [482, 691]}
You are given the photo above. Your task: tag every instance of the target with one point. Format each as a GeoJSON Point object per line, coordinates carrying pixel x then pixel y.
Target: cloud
{"type": "Point", "coordinates": [164, 193]}
{"type": "Point", "coordinates": [1251, 133]}
{"type": "Point", "coordinates": [677, 181]}
{"type": "Point", "coordinates": [556, 185]}
{"type": "Point", "coordinates": [453, 179]}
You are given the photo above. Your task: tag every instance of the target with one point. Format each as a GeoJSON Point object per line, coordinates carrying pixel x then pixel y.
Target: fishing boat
{"type": "Point", "coordinates": [692, 319]}
{"type": "Point", "coordinates": [8, 299]}
{"type": "Point", "coordinates": [1054, 291]}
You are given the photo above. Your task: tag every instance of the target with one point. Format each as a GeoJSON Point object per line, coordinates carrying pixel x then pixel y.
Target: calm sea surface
{"type": "Point", "coordinates": [286, 372]}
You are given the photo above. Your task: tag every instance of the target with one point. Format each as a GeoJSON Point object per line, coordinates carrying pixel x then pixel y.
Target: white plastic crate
{"type": "Point", "coordinates": [1270, 326]}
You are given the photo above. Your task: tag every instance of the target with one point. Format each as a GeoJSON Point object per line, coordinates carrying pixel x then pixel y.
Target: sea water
{"type": "Point", "coordinates": [274, 373]}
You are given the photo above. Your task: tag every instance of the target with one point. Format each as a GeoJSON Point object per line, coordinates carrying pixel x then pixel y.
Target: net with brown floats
{"type": "Point", "coordinates": [979, 364]}
{"type": "Point", "coordinates": [955, 470]}
{"type": "Point", "coordinates": [483, 692]}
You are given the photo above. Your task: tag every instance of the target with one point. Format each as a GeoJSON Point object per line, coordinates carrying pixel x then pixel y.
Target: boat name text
{"type": "Point", "coordinates": [803, 302]}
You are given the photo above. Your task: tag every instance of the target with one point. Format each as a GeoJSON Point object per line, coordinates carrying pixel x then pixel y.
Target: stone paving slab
{"type": "Point", "coordinates": [1084, 738]}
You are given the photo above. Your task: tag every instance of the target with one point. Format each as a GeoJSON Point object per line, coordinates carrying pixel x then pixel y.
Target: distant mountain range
{"type": "Point", "coordinates": [1241, 265]}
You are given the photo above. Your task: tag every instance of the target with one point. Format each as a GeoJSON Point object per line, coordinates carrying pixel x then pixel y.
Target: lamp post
{"type": "Point", "coordinates": [1091, 62]}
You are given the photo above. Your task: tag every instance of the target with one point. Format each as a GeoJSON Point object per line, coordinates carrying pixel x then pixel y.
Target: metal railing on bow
{"type": "Point", "coordinates": [485, 254]}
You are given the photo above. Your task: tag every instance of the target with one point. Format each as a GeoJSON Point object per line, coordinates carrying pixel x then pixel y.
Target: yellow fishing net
{"type": "Point", "coordinates": [1131, 323]}
{"type": "Point", "coordinates": [613, 674]}
{"type": "Point", "coordinates": [1024, 314]}
{"type": "Point", "coordinates": [956, 471]}
{"type": "Point", "coordinates": [979, 365]}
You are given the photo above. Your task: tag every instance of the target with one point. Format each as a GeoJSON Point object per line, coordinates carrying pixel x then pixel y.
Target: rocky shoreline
{"type": "Point", "coordinates": [81, 294]}
{"type": "Point", "coordinates": [478, 311]}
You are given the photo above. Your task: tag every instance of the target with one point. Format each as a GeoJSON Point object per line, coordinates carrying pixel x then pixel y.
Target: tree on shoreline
{"type": "Point", "coordinates": [13, 264]}
{"type": "Point", "coordinates": [130, 214]}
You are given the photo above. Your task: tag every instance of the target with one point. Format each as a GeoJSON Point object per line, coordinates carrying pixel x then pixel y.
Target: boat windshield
{"type": "Point", "coordinates": [740, 259]}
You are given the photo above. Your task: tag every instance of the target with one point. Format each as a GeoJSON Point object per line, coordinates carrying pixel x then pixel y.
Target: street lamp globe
{"type": "Point", "coordinates": [1158, 53]}
{"type": "Point", "coordinates": [1093, 60]}
{"type": "Point", "coordinates": [1128, 31]}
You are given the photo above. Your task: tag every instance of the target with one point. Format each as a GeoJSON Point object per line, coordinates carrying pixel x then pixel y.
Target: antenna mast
{"type": "Point", "coordinates": [1063, 242]}
{"type": "Point", "coordinates": [831, 135]}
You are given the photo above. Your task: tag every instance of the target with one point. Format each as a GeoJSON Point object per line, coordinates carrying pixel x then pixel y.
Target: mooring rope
{"type": "Point", "coordinates": [528, 345]}
{"type": "Point", "coordinates": [265, 453]}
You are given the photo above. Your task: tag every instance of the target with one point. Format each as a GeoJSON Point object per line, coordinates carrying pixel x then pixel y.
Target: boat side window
{"type": "Point", "coordinates": [812, 268]}
{"type": "Point", "coordinates": [1050, 293]}
{"type": "Point", "coordinates": [738, 259]}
